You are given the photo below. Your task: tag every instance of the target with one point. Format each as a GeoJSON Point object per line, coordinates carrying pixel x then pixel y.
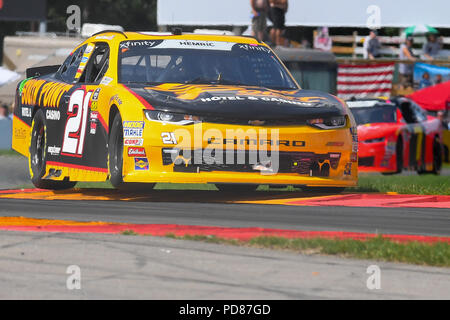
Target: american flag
{"type": "Point", "coordinates": [365, 80]}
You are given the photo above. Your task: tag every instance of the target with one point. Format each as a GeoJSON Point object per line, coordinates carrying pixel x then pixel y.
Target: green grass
{"type": "Point", "coordinates": [437, 254]}
{"type": "Point", "coordinates": [10, 153]}
{"type": "Point", "coordinates": [416, 184]}
{"type": "Point", "coordinates": [129, 233]}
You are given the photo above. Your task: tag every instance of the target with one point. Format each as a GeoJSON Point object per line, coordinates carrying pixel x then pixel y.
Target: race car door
{"type": "Point", "coordinates": [83, 145]}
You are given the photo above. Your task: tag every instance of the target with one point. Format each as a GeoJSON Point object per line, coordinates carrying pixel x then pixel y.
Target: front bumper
{"type": "Point", "coordinates": [297, 155]}
{"type": "Point", "coordinates": [376, 157]}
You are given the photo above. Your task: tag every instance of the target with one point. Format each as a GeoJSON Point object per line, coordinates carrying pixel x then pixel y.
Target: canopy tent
{"type": "Point", "coordinates": [433, 98]}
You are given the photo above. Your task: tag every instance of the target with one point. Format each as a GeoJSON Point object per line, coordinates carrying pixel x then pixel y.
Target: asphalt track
{"type": "Point", "coordinates": [419, 221]}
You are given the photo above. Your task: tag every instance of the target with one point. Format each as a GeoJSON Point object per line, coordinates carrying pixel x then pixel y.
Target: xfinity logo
{"type": "Point", "coordinates": [128, 44]}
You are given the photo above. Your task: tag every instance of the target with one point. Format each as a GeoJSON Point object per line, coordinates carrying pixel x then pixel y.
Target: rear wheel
{"type": "Point", "coordinates": [38, 156]}
{"type": "Point", "coordinates": [236, 187]}
{"type": "Point", "coordinates": [437, 159]}
{"type": "Point", "coordinates": [115, 159]}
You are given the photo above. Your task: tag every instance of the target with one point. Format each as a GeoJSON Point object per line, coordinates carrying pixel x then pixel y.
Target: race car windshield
{"type": "Point", "coordinates": [200, 62]}
{"type": "Point", "coordinates": [376, 114]}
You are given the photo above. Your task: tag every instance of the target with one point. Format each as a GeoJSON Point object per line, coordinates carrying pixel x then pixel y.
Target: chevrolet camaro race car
{"type": "Point", "coordinates": [180, 108]}
{"type": "Point", "coordinates": [397, 134]}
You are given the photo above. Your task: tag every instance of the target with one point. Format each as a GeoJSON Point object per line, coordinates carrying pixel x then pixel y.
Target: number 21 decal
{"type": "Point", "coordinates": [75, 131]}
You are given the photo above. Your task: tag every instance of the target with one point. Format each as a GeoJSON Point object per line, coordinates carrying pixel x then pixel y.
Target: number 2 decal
{"type": "Point", "coordinates": [75, 131]}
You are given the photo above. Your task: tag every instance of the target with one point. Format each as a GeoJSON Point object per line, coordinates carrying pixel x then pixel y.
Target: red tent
{"type": "Point", "coordinates": [433, 98]}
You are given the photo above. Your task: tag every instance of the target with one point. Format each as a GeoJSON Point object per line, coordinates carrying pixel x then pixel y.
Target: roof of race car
{"type": "Point", "coordinates": [115, 36]}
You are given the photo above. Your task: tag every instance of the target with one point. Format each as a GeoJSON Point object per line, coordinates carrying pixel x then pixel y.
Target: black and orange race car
{"type": "Point", "coordinates": [397, 134]}
{"type": "Point", "coordinates": [147, 108]}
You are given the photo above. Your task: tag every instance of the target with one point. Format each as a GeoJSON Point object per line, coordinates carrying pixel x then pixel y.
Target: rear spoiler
{"type": "Point", "coordinates": [41, 71]}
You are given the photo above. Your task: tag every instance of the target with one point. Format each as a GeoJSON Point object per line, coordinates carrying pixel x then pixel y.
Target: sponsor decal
{"type": "Point", "coordinates": [84, 59]}
{"type": "Point", "coordinates": [94, 116]}
{"type": "Point", "coordinates": [354, 146]}
{"type": "Point", "coordinates": [20, 133]}
{"type": "Point", "coordinates": [95, 94]}
{"type": "Point", "coordinates": [136, 152]}
{"type": "Point", "coordinates": [265, 99]}
{"type": "Point", "coordinates": [354, 157]}
{"type": "Point", "coordinates": [94, 105]}
{"type": "Point", "coordinates": [93, 128]}
{"type": "Point", "coordinates": [106, 80]}
{"type": "Point", "coordinates": [348, 169]}
{"type": "Point", "coordinates": [54, 151]}
{"type": "Point", "coordinates": [104, 37]}
{"type": "Point", "coordinates": [133, 129]}
{"type": "Point", "coordinates": [233, 93]}
{"type": "Point", "coordinates": [26, 112]}
{"type": "Point", "coordinates": [89, 49]}
{"type": "Point", "coordinates": [141, 164]}
{"type": "Point", "coordinates": [133, 142]}
{"type": "Point", "coordinates": [249, 47]}
{"type": "Point", "coordinates": [115, 98]}
{"type": "Point", "coordinates": [142, 43]}
{"type": "Point", "coordinates": [335, 144]}
{"type": "Point", "coordinates": [52, 115]}
{"type": "Point", "coordinates": [42, 93]}
{"type": "Point", "coordinates": [255, 142]}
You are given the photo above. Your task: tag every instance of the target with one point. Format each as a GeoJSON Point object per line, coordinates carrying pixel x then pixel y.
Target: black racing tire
{"type": "Point", "coordinates": [437, 159]}
{"type": "Point", "coordinates": [224, 187]}
{"type": "Point", "coordinates": [115, 160]}
{"type": "Point", "coordinates": [115, 153]}
{"type": "Point", "coordinates": [38, 156]}
{"type": "Point", "coordinates": [327, 190]}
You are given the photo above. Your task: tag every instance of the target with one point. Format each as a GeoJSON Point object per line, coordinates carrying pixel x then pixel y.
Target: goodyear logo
{"type": "Point", "coordinates": [141, 164]}
{"type": "Point", "coordinates": [42, 93]}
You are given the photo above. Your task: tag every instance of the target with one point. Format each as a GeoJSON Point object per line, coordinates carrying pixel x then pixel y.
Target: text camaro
{"type": "Point", "coordinates": [148, 108]}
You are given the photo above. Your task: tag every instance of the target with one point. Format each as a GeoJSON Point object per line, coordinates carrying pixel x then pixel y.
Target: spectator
{"type": "Point", "coordinates": [431, 48]}
{"type": "Point", "coordinates": [438, 79]}
{"type": "Point", "coordinates": [4, 112]}
{"type": "Point", "coordinates": [374, 46]}
{"type": "Point", "coordinates": [406, 70]}
{"type": "Point", "coordinates": [278, 9]}
{"type": "Point", "coordinates": [323, 41]}
{"type": "Point", "coordinates": [259, 20]}
{"type": "Point", "coordinates": [425, 81]}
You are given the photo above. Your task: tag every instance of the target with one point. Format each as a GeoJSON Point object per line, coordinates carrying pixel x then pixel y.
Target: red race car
{"type": "Point", "coordinates": [396, 134]}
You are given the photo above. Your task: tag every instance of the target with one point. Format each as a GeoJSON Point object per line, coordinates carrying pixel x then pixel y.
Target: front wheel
{"type": "Point", "coordinates": [38, 156]}
{"type": "Point", "coordinates": [115, 160]}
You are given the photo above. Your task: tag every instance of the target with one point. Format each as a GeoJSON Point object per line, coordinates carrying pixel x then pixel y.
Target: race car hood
{"type": "Point", "coordinates": [240, 102]}
{"type": "Point", "coordinates": [376, 130]}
